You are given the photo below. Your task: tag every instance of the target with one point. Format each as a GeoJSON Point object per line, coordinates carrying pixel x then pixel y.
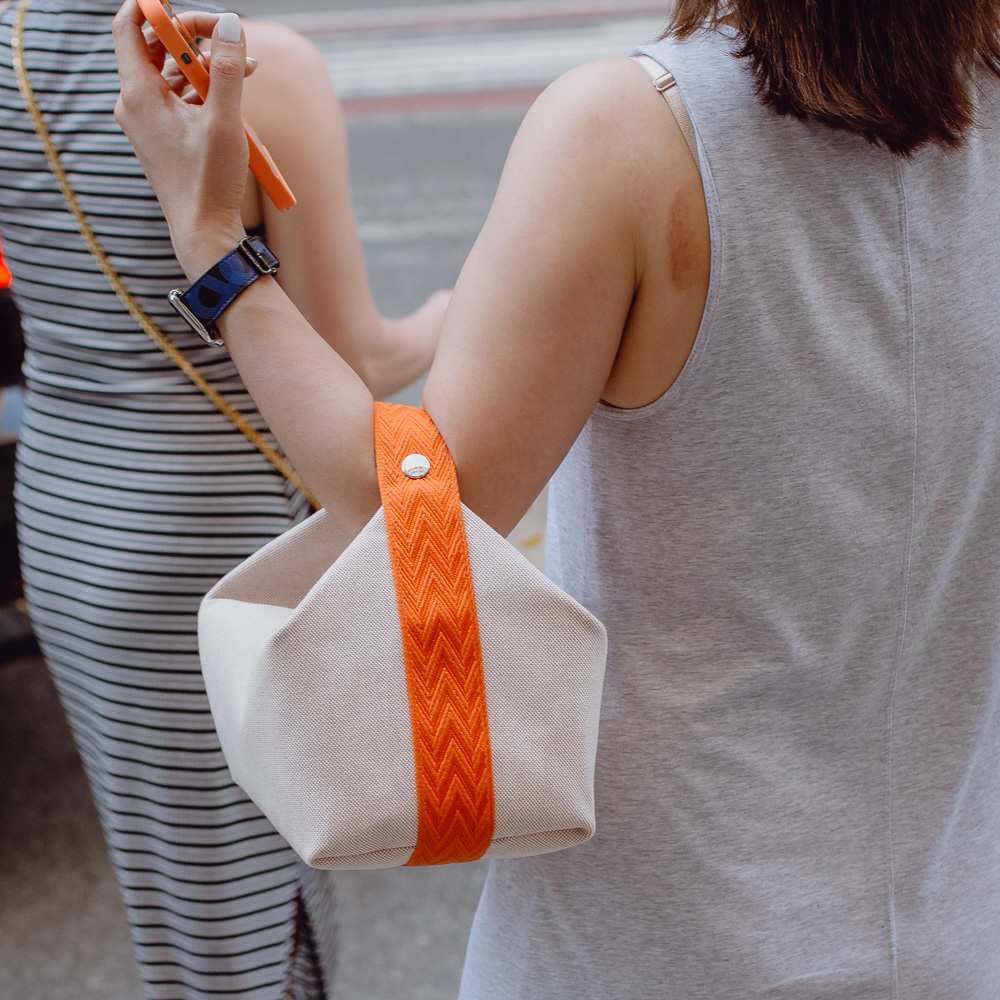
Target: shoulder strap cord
{"type": "Point", "coordinates": [129, 301]}
{"type": "Point", "coordinates": [664, 82]}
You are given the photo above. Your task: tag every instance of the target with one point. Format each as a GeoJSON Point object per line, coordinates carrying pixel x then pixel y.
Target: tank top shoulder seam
{"type": "Point", "coordinates": [677, 390]}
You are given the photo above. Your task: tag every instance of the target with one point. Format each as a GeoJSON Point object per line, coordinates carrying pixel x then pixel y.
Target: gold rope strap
{"type": "Point", "coordinates": [138, 313]}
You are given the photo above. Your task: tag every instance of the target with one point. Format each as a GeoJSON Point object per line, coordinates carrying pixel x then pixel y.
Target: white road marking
{"type": "Point", "coordinates": [364, 66]}
{"type": "Point", "coordinates": [482, 13]}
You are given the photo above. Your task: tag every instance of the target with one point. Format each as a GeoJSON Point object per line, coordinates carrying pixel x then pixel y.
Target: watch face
{"type": "Point", "coordinates": [208, 333]}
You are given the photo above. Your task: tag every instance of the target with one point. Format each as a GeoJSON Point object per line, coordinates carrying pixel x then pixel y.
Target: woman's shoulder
{"type": "Point", "coordinates": [613, 96]}
{"type": "Point", "coordinates": [290, 92]}
{"type": "Point", "coordinates": [281, 45]}
{"type": "Point", "coordinates": [605, 121]}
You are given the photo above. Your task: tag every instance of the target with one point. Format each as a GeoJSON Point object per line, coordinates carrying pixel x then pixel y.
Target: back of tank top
{"type": "Point", "coordinates": [796, 551]}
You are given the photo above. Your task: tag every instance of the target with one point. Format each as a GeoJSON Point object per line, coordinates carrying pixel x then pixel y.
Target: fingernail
{"type": "Point", "coordinates": [252, 62]}
{"type": "Point", "coordinates": [229, 28]}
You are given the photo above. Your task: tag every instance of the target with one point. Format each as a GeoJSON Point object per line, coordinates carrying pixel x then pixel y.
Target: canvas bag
{"type": "Point", "coordinates": [419, 694]}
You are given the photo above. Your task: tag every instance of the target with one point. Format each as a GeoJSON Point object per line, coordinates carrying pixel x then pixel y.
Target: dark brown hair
{"type": "Point", "coordinates": [898, 72]}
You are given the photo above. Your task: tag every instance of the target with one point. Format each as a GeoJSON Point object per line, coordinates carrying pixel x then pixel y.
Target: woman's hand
{"type": "Point", "coordinates": [196, 157]}
{"type": "Point", "coordinates": [167, 65]}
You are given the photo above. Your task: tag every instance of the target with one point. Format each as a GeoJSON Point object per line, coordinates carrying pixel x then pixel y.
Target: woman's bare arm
{"type": "Point", "coordinates": [293, 106]}
{"type": "Point", "coordinates": [537, 315]}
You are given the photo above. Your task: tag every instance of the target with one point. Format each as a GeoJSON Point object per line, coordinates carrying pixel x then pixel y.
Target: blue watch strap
{"type": "Point", "coordinates": [209, 297]}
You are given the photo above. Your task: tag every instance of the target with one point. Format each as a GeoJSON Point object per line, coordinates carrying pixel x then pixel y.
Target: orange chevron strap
{"type": "Point", "coordinates": [444, 658]}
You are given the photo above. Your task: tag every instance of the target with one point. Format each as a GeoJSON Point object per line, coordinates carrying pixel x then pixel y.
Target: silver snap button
{"type": "Point", "coordinates": [416, 466]}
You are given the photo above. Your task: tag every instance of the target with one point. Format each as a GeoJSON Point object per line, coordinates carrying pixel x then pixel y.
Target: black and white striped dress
{"type": "Point", "coordinates": [134, 495]}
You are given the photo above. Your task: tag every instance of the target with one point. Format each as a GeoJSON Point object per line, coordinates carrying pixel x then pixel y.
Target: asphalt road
{"type": "Point", "coordinates": [422, 188]}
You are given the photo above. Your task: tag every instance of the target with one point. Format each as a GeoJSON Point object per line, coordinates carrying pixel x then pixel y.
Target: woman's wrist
{"type": "Point", "coordinates": [199, 252]}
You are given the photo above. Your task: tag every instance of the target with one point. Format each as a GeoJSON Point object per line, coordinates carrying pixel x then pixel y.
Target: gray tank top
{"type": "Point", "coordinates": [796, 551]}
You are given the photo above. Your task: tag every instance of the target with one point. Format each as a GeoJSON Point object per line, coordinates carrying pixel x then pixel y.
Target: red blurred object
{"type": "Point", "coordinates": [5, 277]}
{"type": "Point", "coordinates": [12, 620]}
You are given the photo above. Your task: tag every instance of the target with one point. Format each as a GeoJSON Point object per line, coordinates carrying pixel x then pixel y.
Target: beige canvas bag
{"type": "Point", "coordinates": [419, 694]}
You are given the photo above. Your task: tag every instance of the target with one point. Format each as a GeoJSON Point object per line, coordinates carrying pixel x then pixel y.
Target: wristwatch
{"type": "Point", "coordinates": [212, 294]}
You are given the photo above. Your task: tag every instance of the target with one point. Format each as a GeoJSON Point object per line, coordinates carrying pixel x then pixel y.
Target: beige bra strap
{"type": "Point", "coordinates": [664, 82]}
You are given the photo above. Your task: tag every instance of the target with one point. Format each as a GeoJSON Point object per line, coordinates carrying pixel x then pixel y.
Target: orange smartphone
{"type": "Point", "coordinates": [178, 42]}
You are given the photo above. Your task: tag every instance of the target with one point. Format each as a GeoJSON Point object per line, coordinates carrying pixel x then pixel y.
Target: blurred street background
{"type": "Point", "coordinates": [434, 96]}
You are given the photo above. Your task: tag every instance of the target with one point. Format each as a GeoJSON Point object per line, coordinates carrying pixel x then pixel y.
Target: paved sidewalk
{"type": "Point", "coordinates": [63, 934]}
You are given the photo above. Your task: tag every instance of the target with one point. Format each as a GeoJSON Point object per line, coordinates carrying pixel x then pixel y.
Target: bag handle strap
{"type": "Point", "coordinates": [441, 644]}
{"type": "Point", "coordinates": [664, 82]}
{"type": "Point", "coordinates": [114, 279]}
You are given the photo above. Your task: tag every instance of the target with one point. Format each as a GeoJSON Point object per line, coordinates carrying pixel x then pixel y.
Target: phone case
{"type": "Point", "coordinates": [178, 42]}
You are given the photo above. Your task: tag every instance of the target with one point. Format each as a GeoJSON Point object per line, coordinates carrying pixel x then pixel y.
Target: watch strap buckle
{"type": "Point", "coordinates": [259, 258]}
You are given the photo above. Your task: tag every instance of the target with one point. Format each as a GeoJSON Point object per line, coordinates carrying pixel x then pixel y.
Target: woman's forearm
{"type": "Point", "coordinates": [323, 269]}
{"type": "Point", "coordinates": [316, 405]}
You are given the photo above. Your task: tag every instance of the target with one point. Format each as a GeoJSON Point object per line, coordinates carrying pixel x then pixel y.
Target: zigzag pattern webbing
{"type": "Point", "coordinates": [444, 660]}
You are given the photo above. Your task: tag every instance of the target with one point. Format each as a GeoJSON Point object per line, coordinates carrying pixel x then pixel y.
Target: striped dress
{"type": "Point", "coordinates": [134, 495]}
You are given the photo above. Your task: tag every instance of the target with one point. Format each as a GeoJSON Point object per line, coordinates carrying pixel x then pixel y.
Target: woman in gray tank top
{"type": "Point", "coordinates": [772, 393]}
